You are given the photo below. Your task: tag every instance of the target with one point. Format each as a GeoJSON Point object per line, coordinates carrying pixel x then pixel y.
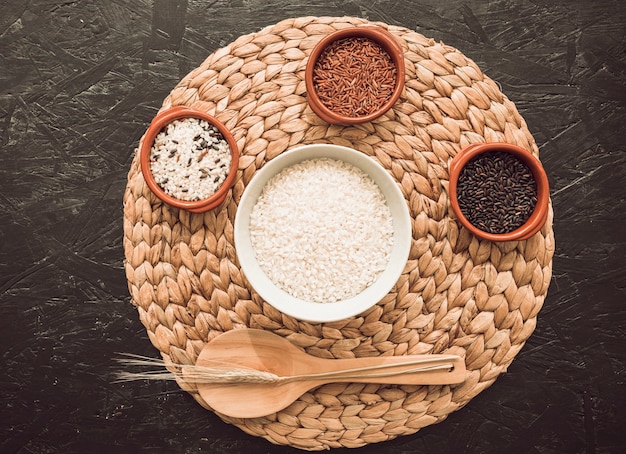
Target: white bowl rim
{"type": "Point", "coordinates": [330, 311]}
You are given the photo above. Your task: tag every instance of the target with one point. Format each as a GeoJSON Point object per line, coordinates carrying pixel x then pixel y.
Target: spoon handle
{"type": "Point", "coordinates": [410, 369]}
{"type": "Point", "coordinates": [373, 371]}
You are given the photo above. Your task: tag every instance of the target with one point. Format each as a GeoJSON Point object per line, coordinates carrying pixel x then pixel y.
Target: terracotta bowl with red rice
{"type": "Point", "coordinates": [355, 75]}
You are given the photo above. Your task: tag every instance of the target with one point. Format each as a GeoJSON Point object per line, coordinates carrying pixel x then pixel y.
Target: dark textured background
{"type": "Point", "coordinates": [79, 83]}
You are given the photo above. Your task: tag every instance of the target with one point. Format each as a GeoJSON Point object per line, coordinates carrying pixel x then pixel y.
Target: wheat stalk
{"type": "Point", "coordinates": [225, 372]}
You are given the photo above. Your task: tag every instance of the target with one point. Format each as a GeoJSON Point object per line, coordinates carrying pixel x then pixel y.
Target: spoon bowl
{"type": "Point", "coordinates": [298, 372]}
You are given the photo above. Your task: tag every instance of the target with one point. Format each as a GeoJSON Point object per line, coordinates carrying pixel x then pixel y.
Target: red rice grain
{"type": "Point", "coordinates": [354, 76]}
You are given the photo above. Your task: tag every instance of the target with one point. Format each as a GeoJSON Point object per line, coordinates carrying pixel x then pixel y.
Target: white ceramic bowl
{"type": "Point", "coordinates": [330, 311]}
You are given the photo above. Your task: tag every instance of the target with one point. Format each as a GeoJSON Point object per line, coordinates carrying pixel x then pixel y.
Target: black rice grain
{"type": "Point", "coordinates": [496, 192]}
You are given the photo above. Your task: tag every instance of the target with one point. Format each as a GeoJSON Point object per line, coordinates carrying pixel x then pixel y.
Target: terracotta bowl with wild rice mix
{"type": "Point", "coordinates": [189, 159]}
{"type": "Point", "coordinates": [355, 75]}
{"type": "Point", "coordinates": [499, 191]}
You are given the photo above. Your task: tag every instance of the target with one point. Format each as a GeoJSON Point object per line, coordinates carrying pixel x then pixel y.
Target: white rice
{"type": "Point", "coordinates": [321, 230]}
{"type": "Point", "coordinates": [190, 159]}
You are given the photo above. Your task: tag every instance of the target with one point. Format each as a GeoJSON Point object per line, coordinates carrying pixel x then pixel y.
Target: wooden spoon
{"type": "Point", "coordinates": [293, 372]}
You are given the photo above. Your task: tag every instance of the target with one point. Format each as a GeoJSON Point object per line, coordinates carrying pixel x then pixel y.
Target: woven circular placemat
{"type": "Point", "coordinates": [457, 294]}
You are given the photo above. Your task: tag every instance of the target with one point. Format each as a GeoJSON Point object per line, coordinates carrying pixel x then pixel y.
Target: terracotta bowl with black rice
{"type": "Point", "coordinates": [499, 191]}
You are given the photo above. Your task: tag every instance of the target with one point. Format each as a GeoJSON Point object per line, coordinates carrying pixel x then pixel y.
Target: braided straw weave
{"type": "Point", "coordinates": [457, 294]}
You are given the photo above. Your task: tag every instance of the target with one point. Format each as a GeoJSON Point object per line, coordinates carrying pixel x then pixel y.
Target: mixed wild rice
{"type": "Point", "coordinates": [321, 230]}
{"type": "Point", "coordinates": [190, 159]}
